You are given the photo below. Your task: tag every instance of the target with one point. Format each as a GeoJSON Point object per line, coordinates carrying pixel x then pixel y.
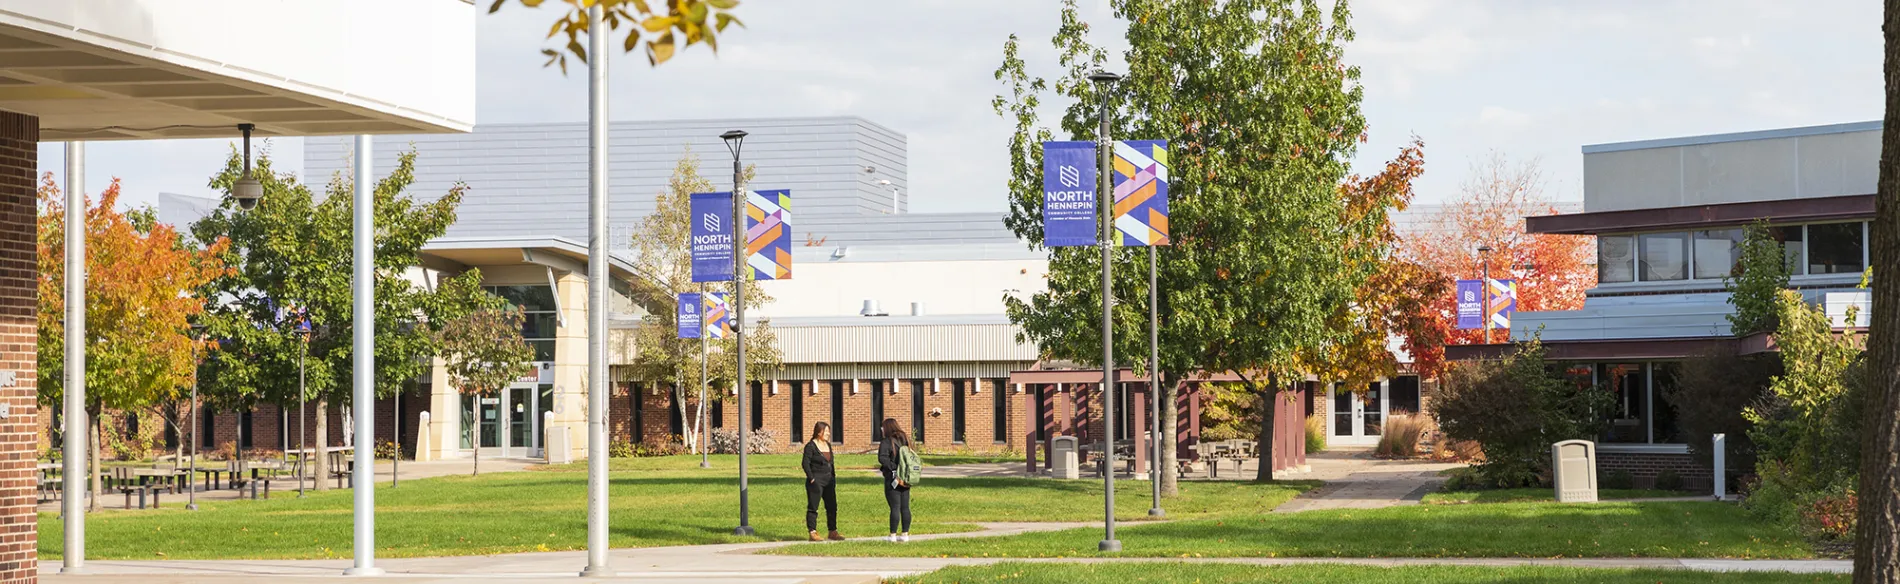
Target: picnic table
{"type": "Point", "coordinates": [1235, 450]}
{"type": "Point", "coordinates": [129, 480]}
{"type": "Point", "coordinates": [261, 471]}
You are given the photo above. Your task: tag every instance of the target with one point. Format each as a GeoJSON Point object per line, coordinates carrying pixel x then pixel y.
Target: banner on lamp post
{"type": "Point", "coordinates": [1503, 303]}
{"type": "Point", "coordinates": [1068, 194]}
{"type": "Point", "coordinates": [1472, 311]}
{"type": "Point", "coordinates": [1141, 192]}
{"type": "Point", "coordinates": [768, 234]}
{"type": "Point", "coordinates": [687, 315]}
{"type": "Point", "coordinates": [718, 316]}
{"type": "Point", "coordinates": [1470, 304]}
{"type": "Point", "coordinates": [710, 236]}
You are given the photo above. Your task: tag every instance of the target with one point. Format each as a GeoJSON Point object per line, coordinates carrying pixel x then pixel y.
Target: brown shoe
{"type": "Point", "coordinates": [814, 535]}
{"type": "Point", "coordinates": [835, 536]}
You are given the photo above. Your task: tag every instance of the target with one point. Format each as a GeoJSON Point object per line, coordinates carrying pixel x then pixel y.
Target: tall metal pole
{"type": "Point", "coordinates": [1154, 384]}
{"type": "Point", "coordinates": [75, 471]}
{"type": "Point", "coordinates": [1484, 284]}
{"type": "Point", "coordinates": [739, 272]}
{"type": "Point", "coordinates": [597, 295]}
{"type": "Point", "coordinates": [303, 452]}
{"type": "Point", "coordinates": [363, 359]}
{"type": "Point", "coordinates": [705, 460]}
{"type": "Point", "coordinates": [1104, 199]}
{"type": "Point", "coordinates": [395, 462]}
{"type": "Point", "coordinates": [192, 467]}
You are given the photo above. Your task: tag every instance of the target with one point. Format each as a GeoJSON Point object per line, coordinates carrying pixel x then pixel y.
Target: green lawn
{"type": "Point", "coordinates": [1542, 530]}
{"type": "Point", "coordinates": [1195, 573]}
{"type": "Point", "coordinates": [656, 502]}
{"type": "Point", "coordinates": [1541, 495]}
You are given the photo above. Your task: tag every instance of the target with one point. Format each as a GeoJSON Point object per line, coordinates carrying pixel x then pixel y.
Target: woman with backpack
{"type": "Point", "coordinates": [899, 464]}
{"type": "Point", "coordinates": [821, 482]}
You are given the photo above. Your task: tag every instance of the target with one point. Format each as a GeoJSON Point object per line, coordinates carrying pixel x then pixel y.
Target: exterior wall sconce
{"type": "Point", "coordinates": [774, 388]}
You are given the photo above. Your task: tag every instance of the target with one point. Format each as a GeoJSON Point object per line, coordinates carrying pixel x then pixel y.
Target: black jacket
{"type": "Point", "coordinates": [888, 460]}
{"type": "Point", "coordinates": [818, 470]}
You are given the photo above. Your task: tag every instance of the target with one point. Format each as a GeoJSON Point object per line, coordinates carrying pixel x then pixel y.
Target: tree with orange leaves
{"type": "Point", "coordinates": [1552, 271]}
{"type": "Point", "coordinates": [140, 281]}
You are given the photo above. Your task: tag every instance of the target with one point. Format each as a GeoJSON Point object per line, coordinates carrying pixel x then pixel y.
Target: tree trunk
{"type": "Point", "coordinates": [1877, 535]}
{"type": "Point", "coordinates": [477, 445]}
{"type": "Point", "coordinates": [323, 445]}
{"type": "Point", "coordinates": [1269, 408]}
{"type": "Point", "coordinates": [1170, 463]}
{"type": "Point", "coordinates": [98, 488]}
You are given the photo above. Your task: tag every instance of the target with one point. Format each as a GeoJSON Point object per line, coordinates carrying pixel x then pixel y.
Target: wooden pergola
{"type": "Point", "coordinates": [1067, 402]}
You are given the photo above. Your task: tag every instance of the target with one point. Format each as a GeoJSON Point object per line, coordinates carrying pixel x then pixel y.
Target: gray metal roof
{"type": "Point", "coordinates": [900, 339]}
{"type": "Point", "coordinates": [1734, 137]}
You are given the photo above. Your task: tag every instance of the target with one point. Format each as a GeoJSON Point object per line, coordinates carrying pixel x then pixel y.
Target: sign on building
{"type": "Point", "coordinates": [687, 315]}
{"type": "Point", "coordinates": [1141, 192]}
{"type": "Point", "coordinates": [768, 234]}
{"type": "Point", "coordinates": [710, 236]}
{"type": "Point", "coordinates": [1068, 194]}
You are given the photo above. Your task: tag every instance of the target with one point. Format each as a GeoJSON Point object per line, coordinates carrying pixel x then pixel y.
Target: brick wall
{"type": "Point", "coordinates": [1644, 466]}
{"type": "Point", "coordinates": [19, 432]}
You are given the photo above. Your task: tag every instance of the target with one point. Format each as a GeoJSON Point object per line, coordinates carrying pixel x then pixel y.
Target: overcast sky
{"type": "Point", "coordinates": [1525, 79]}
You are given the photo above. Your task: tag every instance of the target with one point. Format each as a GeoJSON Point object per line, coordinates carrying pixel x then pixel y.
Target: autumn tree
{"type": "Point", "coordinates": [664, 261]}
{"type": "Point", "coordinates": [483, 353]}
{"type": "Point", "coordinates": [139, 308]}
{"type": "Point", "coordinates": [1877, 535]}
{"type": "Point", "coordinates": [294, 250]}
{"type": "Point", "coordinates": [1255, 267]}
{"type": "Point", "coordinates": [1552, 271]}
{"type": "Point", "coordinates": [661, 31]}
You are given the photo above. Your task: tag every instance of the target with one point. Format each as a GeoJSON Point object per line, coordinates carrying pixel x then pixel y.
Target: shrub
{"type": "Point", "coordinates": [1830, 517]}
{"type": "Point", "coordinates": [621, 449]}
{"type": "Point", "coordinates": [660, 446]}
{"type": "Point", "coordinates": [1458, 451]}
{"type": "Point", "coordinates": [1399, 437]}
{"type": "Point", "coordinates": [726, 441]}
{"type": "Point", "coordinates": [1669, 480]}
{"type": "Point", "coordinates": [1709, 396]}
{"type": "Point", "coordinates": [1315, 434]}
{"type": "Point", "coordinates": [387, 450]}
{"type": "Point", "coordinates": [1618, 479]}
{"type": "Point", "coordinates": [1515, 408]}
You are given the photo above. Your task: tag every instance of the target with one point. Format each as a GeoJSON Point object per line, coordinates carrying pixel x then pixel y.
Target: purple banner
{"type": "Point", "coordinates": [1470, 304]}
{"type": "Point", "coordinates": [1068, 194]}
{"type": "Point", "coordinates": [710, 237]}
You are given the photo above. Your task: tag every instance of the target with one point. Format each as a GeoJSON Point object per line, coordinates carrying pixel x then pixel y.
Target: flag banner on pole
{"type": "Point", "coordinates": [718, 316]}
{"type": "Point", "coordinates": [1141, 192]}
{"type": "Point", "coordinates": [711, 236]}
{"type": "Point", "coordinates": [1503, 303]}
{"type": "Point", "coordinates": [1068, 194]}
{"type": "Point", "coordinates": [688, 315]}
{"type": "Point", "coordinates": [1470, 304]}
{"type": "Point", "coordinates": [768, 234]}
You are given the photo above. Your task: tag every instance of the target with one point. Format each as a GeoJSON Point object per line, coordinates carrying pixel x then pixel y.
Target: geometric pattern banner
{"type": "Point", "coordinates": [1141, 192]}
{"type": "Point", "coordinates": [718, 316]}
{"type": "Point", "coordinates": [1503, 303]}
{"type": "Point", "coordinates": [768, 234]}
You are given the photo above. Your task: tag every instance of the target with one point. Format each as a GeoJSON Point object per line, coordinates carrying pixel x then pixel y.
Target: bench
{"type": "Point", "coordinates": [128, 481]}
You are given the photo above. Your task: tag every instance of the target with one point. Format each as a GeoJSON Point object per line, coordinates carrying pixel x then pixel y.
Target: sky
{"type": "Point", "coordinates": [1474, 79]}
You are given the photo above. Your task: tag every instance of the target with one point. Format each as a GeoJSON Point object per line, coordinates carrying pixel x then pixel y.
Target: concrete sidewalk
{"type": "Point", "coordinates": [386, 472]}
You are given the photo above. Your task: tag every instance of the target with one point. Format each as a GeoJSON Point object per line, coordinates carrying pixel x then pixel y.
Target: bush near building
{"type": "Point", "coordinates": [1807, 430]}
{"type": "Point", "coordinates": [1515, 408]}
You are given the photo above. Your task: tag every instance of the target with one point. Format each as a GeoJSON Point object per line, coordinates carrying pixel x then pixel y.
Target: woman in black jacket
{"type": "Point", "coordinates": [896, 493]}
{"type": "Point", "coordinates": [821, 482]}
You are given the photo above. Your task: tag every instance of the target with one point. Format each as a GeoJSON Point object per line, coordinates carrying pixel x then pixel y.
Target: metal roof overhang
{"type": "Point", "coordinates": [1705, 216]}
{"type": "Point", "coordinates": [1624, 349]}
{"type": "Point", "coordinates": [458, 254]}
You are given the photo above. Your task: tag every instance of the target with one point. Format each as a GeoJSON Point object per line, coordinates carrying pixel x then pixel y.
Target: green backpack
{"type": "Point", "coordinates": [910, 468]}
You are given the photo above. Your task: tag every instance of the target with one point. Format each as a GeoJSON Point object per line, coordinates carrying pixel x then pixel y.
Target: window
{"type": "Point", "coordinates": [207, 430]}
{"type": "Point", "coordinates": [798, 412]}
{"type": "Point", "coordinates": [1664, 256]}
{"type": "Point", "coordinates": [958, 387]}
{"type": "Point", "coordinates": [132, 424]}
{"type": "Point", "coordinates": [171, 436]}
{"type": "Point", "coordinates": [1616, 258]}
{"type": "Point", "coordinates": [1836, 248]}
{"type": "Point", "coordinates": [634, 392]}
{"type": "Point", "coordinates": [675, 414]}
{"type": "Point", "coordinates": [917, 410]}
{"type": "Point", "coordinates": [1792, 247]}
{"type": "Point", "coordinates": [877, 411]}
{"type": "Point", "coordinates": [999, 409]}
{"type": "Point", "coordinates": [1717, 253]}
{"type": "Point", "coordinates": [1404, 394]}
{"type": "Point", "coordinates": [1342, 410]}
{"type": "Point", "coordinates": [757, 407]}
{"type": "Point", "coordinates": [1043, 415]}
{"type": "Point", "coordinates": [1628, 415]}
{"type": "Point", "coordinates": [1662, 428]}
{"type": "Point", "coordinates": [837, 409]}
{"type": "Point", "coordinates": [719, 413]}
{"type": "Point", "coordinates": [539, 326]}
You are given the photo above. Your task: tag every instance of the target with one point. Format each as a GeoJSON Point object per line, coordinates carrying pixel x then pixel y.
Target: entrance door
{"type": "Point", "coordinates": [1357, 417]}
{"type": "Point", "coordinates": [509, 424]}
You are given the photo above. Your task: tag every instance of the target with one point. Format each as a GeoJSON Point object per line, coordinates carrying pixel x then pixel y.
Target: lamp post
{"type": "Point", "coordinates": [705, 459]}
{"type": "Point", "coordinates": [1105, 83]}
{"type": "Point", "coordinates": [1154, 383]}
{"type": "Point", "coordinates": [597, 294]}
{"type": "Point", "coordinates": [74, 438]}
{"type": "Point", "coordinates": [735, 139]}
{"type": "Point", "coordinates": [363, 360]}
{"type": "Point", "coordinates": [197, 331]}
{"type": "Point", "coordinates": [303, 399]}
{"type": "Point", "coordinates": [1484, 284]}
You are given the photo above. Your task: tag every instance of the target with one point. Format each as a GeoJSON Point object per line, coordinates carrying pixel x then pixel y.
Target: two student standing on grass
{"type": "Point", "coordinates": [896, 462]}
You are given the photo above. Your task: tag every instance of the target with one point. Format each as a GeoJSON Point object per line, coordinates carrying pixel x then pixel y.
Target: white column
{"type": "Point", "coordinates": [363, 359]}
{"type": "Point", "coordinates": [597, 388]}
{"type": "Point", "coordinates": [73, 504]}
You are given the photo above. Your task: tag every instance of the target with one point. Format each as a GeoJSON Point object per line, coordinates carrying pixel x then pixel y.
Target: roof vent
{"type": "Point", "coordinates": [916, 309]}
{"type": "Point", "coordinates": [871, 308]}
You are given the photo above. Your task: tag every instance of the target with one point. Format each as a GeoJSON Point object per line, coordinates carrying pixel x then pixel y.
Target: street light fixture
{"type": "Point", "coordinates": [735, 139]}
{"type": "Point", "coordinates": [1484, 283]}
{"type": "Point", "coordinates": [1105, 84]}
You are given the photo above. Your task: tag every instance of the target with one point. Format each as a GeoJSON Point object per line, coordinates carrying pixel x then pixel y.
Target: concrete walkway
{"type": "Point", "coordinates": [1356, 480]}
{"type": "Point", "coordinates": [385, 473]}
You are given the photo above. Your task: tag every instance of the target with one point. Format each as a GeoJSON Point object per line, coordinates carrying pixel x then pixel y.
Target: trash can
{"type": "Point", "coordinates": [1063, 462]}
{"type": "Point", "coordinates": [1573, 471]}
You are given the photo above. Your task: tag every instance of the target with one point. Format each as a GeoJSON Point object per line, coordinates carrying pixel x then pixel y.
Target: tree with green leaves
{"type": "Point", "coordinates": [1877, 539]}
{"type": "Point", "coordinates": [1760, 276]}
{"type": "Point", "coordinates": [1262, 117]}
{"type": "Point", "coordinates": [664, 262]}
{"type": "Point", "coordinates": [483, 353]}
{"type": "Point", "coordinates": [664, 30]}
{"type": "Point", "coordinates": [291, 255]}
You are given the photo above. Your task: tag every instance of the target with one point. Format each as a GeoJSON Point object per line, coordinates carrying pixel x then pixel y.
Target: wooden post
{"type": "Point", "coordinates": [1140, 430]}
{"type": "Point", "coordinates": [1031, 423]}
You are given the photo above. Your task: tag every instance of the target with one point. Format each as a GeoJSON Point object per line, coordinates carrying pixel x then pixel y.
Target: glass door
{"type": "Point", "coordinates": [1357, 418]}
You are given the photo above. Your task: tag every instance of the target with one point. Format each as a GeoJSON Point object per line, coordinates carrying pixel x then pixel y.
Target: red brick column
{"type": "Point", "coordinates": [19, 336]}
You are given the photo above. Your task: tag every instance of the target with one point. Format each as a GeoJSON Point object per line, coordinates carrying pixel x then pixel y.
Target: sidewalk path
{"type": "Point", "coordinates": [385, 472]}
{"type": "Point", "coordinates": [1356, 480]}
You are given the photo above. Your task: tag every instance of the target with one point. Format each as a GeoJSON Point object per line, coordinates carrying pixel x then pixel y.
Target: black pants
{"type": "Point", "coordinates": [899, 500]}
{"type": "Point", "coordinates": [815, 493]}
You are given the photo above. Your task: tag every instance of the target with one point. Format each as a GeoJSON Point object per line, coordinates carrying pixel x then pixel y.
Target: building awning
{"type": "Point", "coordinates": [1623, 349]}
{"type": "Point", "coordinates": [1705, 216]}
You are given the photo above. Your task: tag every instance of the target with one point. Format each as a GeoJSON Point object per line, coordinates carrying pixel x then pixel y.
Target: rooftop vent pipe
{"type": "Point", "coordinates": [871, 308]}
